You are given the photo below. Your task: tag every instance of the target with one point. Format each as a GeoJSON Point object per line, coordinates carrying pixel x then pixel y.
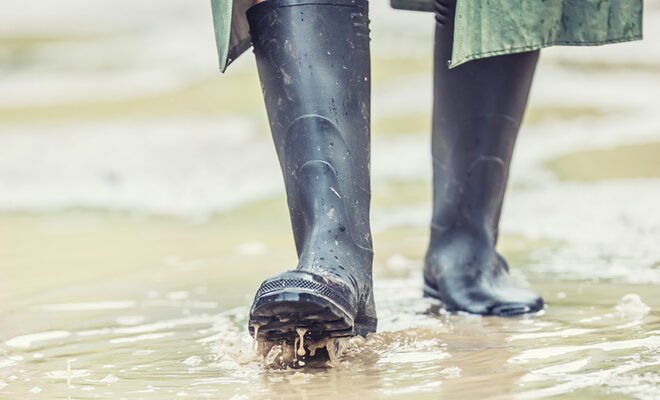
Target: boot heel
{"type": "Point", "coordinates": [429, 291]}
{"type": "Point", "coordinates": [365, 326]}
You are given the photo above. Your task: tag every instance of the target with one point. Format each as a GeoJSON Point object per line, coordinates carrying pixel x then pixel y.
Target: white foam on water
{"type": "Point", "coordinates": [140, 338]}
{"type": "Point", "coordinates": [560, 333]}
{"type": "Point", "coordinates": [180, 167]}
{"type": "Point", "coordinates": [532, 355]}
{"type": "Point", "coordinates": [555, 371]}
{"type": "Point", "coordinates": [413, 357]}
{"type": "Point", "coordinates": [632, 306]}
{"type": "Point", "coordinates": [193, 361]}
{"type": "Point", "coordinates": [143, 352]}
{"type": "Point", "coordinates": [130, 319]}
{"type": "Point", "coordinates": [644, 386]}
{"type": "Point", "coordinates": [94, 332]}
{"type": "Point", "coordinates": [26, 341]}
{"type": "Point", "coordinates": [69, 374]}
{"type": "Point", "coordinates": [166, 324]}
{"type": "Point", "coordinates": [618, 379]}
{"type": "Point", "coordinates": [109, 379]}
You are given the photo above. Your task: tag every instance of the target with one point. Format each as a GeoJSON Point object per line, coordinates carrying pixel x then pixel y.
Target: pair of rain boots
{"type": "Point", "coordinates": [314, 66]}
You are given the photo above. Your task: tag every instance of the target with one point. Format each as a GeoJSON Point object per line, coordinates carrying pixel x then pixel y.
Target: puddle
{"type": "Point", "coordinates": [177, 327]}
{"type": "Point", "coordinates": [141, 205]}
{"type": "Point", "coordinates": [415, 351]}
{"type": "Point", "coordinates": [639, 161]}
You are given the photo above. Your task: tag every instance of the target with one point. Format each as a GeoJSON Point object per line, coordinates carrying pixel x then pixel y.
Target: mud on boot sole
{"type": "Point", "coordinates": [297, 303]}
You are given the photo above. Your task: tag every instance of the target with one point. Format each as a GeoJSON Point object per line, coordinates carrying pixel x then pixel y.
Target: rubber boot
{"type": "Point", "coordinates": [477, 111]}
{"type": "Point", "coordinates": [313, 62]}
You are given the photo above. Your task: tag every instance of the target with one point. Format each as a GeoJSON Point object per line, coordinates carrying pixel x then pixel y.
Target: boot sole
{"type": "Point", "coordinates": [278, 313]}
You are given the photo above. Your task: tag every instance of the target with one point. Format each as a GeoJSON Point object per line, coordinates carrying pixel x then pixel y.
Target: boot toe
{"type": "Point", "coordinates": [514, 308]}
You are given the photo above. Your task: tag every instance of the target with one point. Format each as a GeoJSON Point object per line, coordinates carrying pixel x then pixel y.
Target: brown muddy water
{"type": "Point", "coordinates": [98, 305]}
{"type": "Point", "coordinates": [141, 206]}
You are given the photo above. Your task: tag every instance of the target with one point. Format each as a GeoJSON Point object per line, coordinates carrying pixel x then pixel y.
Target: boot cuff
{"type": "Point", "coordinates": [258, 10]}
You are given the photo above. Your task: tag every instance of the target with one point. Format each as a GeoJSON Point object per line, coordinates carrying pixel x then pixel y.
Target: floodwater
{"type": "Point", "coordinates": [140, 208]}
{"type": "Point", "coordinates": [92, 312]}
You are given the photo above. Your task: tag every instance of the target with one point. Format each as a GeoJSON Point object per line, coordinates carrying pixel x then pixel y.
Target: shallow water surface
{"type": "Point", "coordinates": [175, 327]}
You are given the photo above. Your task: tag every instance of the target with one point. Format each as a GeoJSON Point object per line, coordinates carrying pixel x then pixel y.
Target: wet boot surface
{"type": "Point", "coordinates": [478, 108]}
{"type": "Point", "coordinates": [313, 62]}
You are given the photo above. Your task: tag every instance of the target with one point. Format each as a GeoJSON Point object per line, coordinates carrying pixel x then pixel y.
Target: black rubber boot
{"type": "Point", "coordinates": [313, 62]}
{"type": "Point", "coordinates": [477, 111]}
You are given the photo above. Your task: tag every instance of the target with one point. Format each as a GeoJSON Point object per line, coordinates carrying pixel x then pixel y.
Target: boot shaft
{"type": "Point", "coordinates": [313, 63]}
{"type": "Point", "coordinates": [477, 111]}
{"type": "Point", "coordinates": [313, 59]}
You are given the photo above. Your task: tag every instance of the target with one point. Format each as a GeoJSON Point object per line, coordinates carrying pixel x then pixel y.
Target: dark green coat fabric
{"type": "Point", "coordinates": [483, 28]}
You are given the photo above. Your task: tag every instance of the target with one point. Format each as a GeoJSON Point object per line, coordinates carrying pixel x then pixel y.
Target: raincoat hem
{"type": "Point", "coordinates": [492, 53]}
{"type": "Point", "coordinates": [236, 51]}
{"type": "Point", "coordinates": [221, 31]}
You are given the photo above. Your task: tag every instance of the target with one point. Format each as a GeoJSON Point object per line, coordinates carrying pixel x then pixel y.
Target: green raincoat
{"type": "Point", "coordinates": [482, 28]}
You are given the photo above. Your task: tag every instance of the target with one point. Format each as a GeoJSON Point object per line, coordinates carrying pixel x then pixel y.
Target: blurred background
{"type": "Point", "coordinates": [141, 204]}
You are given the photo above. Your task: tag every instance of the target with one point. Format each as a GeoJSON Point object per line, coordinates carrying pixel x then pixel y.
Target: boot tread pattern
{"type": "Point", "coordinates": [280, 284]}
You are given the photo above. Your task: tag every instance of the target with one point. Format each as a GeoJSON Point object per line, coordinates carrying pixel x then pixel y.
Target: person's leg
{"type": "Point", "coordinates": [313, 62]}
{"type": "Point", "coordinates": [477, 111]}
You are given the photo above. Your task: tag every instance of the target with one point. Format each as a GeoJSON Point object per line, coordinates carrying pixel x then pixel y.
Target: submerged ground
{"type": "Point", "coordinates": [141, 206]}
